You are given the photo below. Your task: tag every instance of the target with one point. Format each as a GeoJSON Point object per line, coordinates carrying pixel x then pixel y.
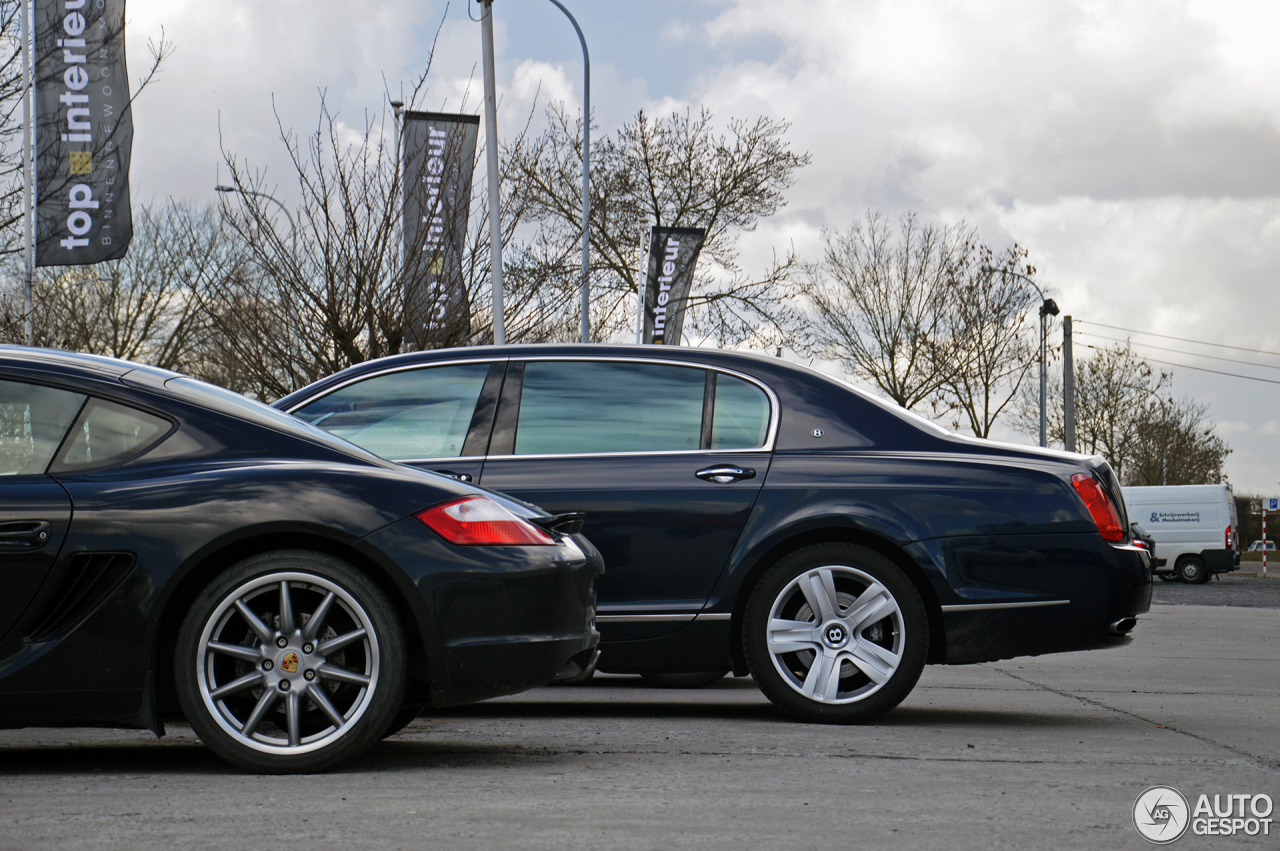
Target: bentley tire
{"type": "Point", "coordinates": [290, 662]}
{"type": "Point", "coordinates": [835, 633]}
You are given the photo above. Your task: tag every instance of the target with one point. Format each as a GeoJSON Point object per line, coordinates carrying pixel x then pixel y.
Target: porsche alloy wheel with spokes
{"type": "Point", "coordinates": [291, 662]}
{"type": "Point", "coordinates": [835, 633]}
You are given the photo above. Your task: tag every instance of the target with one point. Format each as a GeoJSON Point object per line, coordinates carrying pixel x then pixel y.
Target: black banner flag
{"type": "Point", "coordinates": [439, 157]}
{"type": "Point", "coordinates": [84, 132]}
{"type": "Point", "coordinates": [673, 252]}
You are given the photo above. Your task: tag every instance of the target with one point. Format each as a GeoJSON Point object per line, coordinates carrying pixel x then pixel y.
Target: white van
{"type": "Point", "coordinates": [1194, 527]}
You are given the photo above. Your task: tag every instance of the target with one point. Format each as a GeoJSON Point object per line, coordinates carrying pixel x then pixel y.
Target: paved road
{"type": "Point", "coordinates": [1033, 753]}
{"type": "Point", "coordinates": [1229, 589]}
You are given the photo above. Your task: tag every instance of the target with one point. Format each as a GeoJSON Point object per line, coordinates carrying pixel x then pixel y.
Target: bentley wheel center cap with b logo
{"type": "Point", "coordinates": [836, 635]}
{"type": "Point", "coordinates": [289, 662]}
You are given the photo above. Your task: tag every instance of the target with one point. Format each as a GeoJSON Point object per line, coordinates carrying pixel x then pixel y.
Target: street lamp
{"type": "Point", "coordinates": [586, 175]}
{"type": "Point", "coordinates": [1048, 307]}
{"type": "Point", "coordinates": [293, 228]}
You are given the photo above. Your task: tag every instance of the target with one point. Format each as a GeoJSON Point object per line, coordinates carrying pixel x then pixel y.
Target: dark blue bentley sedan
{"type": "Point", "coordinates": [761, 517]}
{"type": "Point", "coordinates": [167, 546]}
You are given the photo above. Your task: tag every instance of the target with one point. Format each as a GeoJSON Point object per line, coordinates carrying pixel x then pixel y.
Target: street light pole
{"type": "Point", "coordinates": [28, 172]}
{"type": "Point", "coordinates": [491, 149]}
{"type": "Point", "coordinates": [586, 176]}
{"type": "Point", "coordinates": [1068, 388]}
{"type": "Point", "coordinates": [1048, 307]}
{"type": "Point", "coordinates": [293, 228]}
{"type": "Point", "coordinates": [398, 107]}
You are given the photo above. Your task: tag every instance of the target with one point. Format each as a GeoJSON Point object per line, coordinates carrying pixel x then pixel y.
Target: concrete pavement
{"type": "Point", "coordinates": [1047, 752]}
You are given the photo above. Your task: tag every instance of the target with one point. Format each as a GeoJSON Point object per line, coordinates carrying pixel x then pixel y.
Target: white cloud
{"type": "Point", "coordinates": [1132, 145]}
{"type": "Point", "coordinates": [1226, 428]}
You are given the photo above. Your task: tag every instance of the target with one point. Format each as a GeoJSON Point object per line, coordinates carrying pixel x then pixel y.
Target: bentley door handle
{"type": "Point", "coordinates": [462, 477]}
{"type": "Point", "coordinates": [723, 475]}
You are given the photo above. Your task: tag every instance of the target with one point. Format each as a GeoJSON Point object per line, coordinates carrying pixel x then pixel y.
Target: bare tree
{"type": "Point", "coordinates": [678, 171]}
{"type": "Point", "coordinates": [1114, 389]}
{"type": "Point", "coordinates": [880, 302]}
{"type": "Point", "coordinates": [336, 301]}
{"type": "Point", "coordinates": [339, 299]}
{"type": "Point", "coordinates": [1177, 444]}
{"type": "Point", "coordinates": [988, 353]}
{"type": "Point", "coordinates": [143, 307]}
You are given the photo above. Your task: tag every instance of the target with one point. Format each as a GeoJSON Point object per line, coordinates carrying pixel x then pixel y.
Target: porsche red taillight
{"type": "Point", "coordinates": [1101, 509]}
{"type": "Point", "coordinates": [479, 521]}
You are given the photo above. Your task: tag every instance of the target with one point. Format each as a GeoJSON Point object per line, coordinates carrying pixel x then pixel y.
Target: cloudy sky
{"type": "Point", "coordinates": [1133, 146]}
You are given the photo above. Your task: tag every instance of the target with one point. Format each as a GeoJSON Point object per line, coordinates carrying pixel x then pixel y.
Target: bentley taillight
{"type": "Point", "coordinates": [479, 521]}
{"type": "Point", "coordinates": [1101, 509]}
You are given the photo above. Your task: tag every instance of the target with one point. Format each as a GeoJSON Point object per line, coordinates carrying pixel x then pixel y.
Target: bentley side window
{"type": "Point", "coordinates": [741, 418]}
{"type": "Point", "coordinates": [577, 407]}
{"type": "Point", "coordinates": [406, 415]}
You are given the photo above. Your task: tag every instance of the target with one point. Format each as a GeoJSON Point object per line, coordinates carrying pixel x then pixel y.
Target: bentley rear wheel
{"type": "Point", "coordinates": [835, 633]}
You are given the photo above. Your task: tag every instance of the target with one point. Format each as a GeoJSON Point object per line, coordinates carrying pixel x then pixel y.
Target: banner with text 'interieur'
{"type": "Point", "coordinates": [84, 132]}
{"type": "Point", "coordinates": [673, 252]}
{"type": "Point", "coordinates": [439, 157]}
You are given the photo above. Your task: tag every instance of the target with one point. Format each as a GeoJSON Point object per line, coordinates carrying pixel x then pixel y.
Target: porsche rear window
{"type": "Point", "coordinates": [33, 419]}
{"type": "Point", "coordinates": [108, 433]}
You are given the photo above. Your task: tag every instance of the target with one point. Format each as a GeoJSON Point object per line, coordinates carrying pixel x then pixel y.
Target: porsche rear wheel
{"type": "Point", "coordinates": [836, 634]}
{"type": "Point", "coordinates": [406, 716]}
{"type": "Point", "coordinates": [290, 662]}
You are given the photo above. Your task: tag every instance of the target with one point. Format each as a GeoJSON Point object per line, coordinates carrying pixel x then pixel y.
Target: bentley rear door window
{"type": "Point", "coordinates": [741, 416]}
{"type": "Point", "coordinates": [33, 420]}
{"type": "Point", "coordinates": [415, 413]}
{"type": "Point", "coordinates": [576, 407]}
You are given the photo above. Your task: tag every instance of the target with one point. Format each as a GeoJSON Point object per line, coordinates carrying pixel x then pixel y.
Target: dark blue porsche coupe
{"type": "Point", "coordinates": [758, 516]}
{"type": "Point", "coordinates": [169, 546]}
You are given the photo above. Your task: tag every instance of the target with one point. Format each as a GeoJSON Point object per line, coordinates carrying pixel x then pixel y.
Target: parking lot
{"type": "Point", "coordinates": [1042, 752]}
{"type": "Point", "coordinates": [1241, 588]}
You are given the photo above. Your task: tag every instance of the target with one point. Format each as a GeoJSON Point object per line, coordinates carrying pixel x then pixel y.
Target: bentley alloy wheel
{"type": "Point", "coordinates": [836, 633]}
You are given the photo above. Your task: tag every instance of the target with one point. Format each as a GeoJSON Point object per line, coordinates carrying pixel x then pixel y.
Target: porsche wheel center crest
{"type": "Point", "coordinates": [289, 664]}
